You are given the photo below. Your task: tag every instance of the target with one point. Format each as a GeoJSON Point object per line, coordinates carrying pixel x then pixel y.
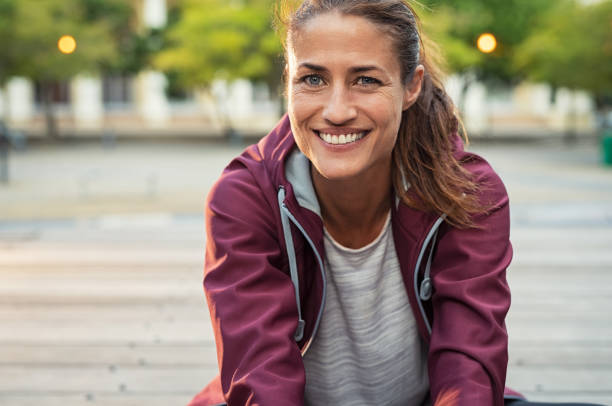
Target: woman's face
{"type": "Point", "coordinates": [346, 95]}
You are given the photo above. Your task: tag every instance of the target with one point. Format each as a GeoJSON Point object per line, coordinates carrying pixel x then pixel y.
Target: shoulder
{"type": "Point", "coordinates": [237, 181]}
{"type": "Point", "coordinates": [491, 188]}
{"type": "Point", "coordinates": [243, 198]}
{"type": "Point", "coordinates": [254, 174]}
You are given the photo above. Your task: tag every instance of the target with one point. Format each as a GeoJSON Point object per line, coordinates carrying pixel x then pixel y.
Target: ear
{"type": "Point", "coordinates": [413, 88]}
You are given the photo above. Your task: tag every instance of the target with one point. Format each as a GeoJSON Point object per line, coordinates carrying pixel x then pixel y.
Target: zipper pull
{"type": "Point", "coordinates": [299, 331]}
{"type": "Point", "coordinates": [426, 289]}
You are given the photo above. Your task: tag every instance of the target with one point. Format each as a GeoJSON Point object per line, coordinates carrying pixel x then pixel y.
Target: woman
{"type": "Point", "coordinates": [357, 254]}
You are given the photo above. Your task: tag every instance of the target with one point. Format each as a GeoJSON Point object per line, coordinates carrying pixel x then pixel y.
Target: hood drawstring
{"type": "Point", "coordinates": [299, 332]}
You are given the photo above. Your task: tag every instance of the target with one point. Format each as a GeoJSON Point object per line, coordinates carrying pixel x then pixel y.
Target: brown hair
{"type": "Point", "coordinates": [423, 153]}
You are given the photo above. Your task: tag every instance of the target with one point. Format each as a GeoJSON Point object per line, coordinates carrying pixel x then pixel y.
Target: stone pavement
{"type": "Point", "coordinates": [101, 260]}
{"type": "Point", "coordinates": [560, 322]}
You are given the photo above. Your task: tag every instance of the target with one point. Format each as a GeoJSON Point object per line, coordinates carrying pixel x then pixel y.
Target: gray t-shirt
{"type": "Point", "coordinates": [367, 350]}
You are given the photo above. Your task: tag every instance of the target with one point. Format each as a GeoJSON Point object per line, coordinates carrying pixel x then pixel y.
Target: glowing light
{"type": "Point", "coordinates": [487, 43]}
{"type": "Point", "coordinates": [66, 44]}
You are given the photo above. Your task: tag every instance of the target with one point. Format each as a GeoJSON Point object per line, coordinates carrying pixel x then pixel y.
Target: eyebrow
{"type": "Point", "coordinates": [355, 69]}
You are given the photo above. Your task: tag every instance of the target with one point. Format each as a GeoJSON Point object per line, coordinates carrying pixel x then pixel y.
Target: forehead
{"type": "Point", "coordinates": [333, 38]}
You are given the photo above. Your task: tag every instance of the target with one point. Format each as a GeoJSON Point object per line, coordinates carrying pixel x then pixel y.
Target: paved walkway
{"type": "Point", "coordinates": [101, 258]}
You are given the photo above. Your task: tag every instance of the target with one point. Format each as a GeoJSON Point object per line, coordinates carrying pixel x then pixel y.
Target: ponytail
{"type": "Point", "coordinates": [423, 156]}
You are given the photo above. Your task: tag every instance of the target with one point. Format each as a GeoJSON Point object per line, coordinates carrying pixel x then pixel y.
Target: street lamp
{"type": "Point", "coordinates": [486, 43]}
{"type": "Point", "coordinates": [66, 44]}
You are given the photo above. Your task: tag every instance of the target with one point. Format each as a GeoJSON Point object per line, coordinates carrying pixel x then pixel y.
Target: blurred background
{"type": "Point", "coordinates": [207, 68]}
{"type": "Point", "coordinates": [116, 116]}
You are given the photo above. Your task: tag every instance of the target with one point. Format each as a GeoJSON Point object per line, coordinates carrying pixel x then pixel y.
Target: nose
{"type": "Point", "coordinates": [339, 108]}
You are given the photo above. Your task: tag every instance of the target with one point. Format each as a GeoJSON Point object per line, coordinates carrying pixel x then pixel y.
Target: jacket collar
{"type": "Point", "coordinates": [297, 170]}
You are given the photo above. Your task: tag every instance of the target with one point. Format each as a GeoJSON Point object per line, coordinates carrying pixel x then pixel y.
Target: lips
{"type": "Point", "coordinates": [342, 138]}
{"type": "Point", "coordinates": [340, 135]}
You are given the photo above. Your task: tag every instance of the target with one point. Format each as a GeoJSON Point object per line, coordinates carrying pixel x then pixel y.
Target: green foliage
{"type": "Point", "coordinates": [36, 25]}
{"type": "Point", "coordinates": [457, 24]}
{"type": "Point", "coordinates": [571, 47]}
{"type": "Point", "coordinates": [133, 47]}
{"type": "Point", "coordinates": [562, 42]}
{"type": "Point", "coordinates": [7, 13]}
{"type": "Point", "coordinates": [221, 39]}
{"type": "Point", "coordinates": [30, 30]}
{"type": "Point", "coordinates": [459, 55]}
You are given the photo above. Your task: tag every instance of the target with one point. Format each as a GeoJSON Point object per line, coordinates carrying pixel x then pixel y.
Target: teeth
{"type": "Point", "coordinates": [341, 139]}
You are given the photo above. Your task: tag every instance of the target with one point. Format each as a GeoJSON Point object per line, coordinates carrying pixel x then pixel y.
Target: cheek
{"type": "Point", "coordinates": [387, 111]}
{"type": "Point", "coordinates": [300, 109]}
{"type": "Point", "coordinates": [301, 103]}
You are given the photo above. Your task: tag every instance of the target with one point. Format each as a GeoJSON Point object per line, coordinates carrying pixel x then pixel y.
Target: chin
{"type": "Point", "coordinates": [337, 174]}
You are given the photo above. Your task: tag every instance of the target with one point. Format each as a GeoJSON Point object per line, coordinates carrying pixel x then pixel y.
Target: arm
{"type": "Point", "coordinates": [251, 300]}
{"type": "Point", "coordinates": [469, 344]}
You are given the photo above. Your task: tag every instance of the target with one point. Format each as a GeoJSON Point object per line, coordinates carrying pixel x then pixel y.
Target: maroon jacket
{"type": "Point", "coordinates": [252, 299]}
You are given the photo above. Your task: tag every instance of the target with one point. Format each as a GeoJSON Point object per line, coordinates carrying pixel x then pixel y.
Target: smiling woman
{"type": "Point", "coordinates": [345, 113]}
{"type": "Point", "coordinates": [357, 254]}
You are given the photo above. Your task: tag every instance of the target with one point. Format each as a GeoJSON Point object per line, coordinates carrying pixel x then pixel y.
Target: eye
{"type": "Point", "coordinates": [313, 80]}
{"type": "Point", "coordinates": [367, 81]}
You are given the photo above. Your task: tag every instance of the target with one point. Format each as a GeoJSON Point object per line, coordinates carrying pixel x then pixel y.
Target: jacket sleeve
{"type": "Point", "coordinates": [251, 300]}
{"type": "Point", "coordinates": [469, 344]}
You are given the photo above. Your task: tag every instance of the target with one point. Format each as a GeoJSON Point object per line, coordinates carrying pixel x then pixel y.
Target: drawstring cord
{"type": "Point", "coordinates": [299, 332]}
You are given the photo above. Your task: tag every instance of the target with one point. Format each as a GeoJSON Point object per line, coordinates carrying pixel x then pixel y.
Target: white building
{"type": "Point", "coordinates": [140, 106]}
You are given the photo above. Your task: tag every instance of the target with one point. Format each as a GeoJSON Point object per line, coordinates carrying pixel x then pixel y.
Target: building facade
{"type": "Point", "coordinates": [141, 106]}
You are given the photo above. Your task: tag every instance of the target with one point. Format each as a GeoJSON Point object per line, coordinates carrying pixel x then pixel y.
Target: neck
{"type": "Point", "coordinates": [354, 210]}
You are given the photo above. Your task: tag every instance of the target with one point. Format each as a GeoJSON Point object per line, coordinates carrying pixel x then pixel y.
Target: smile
{"type": "Point", "coordinates": [342, 138]}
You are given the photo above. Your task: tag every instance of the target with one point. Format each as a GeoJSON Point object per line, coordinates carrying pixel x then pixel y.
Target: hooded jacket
{"type": "Point", "coordinates": [265, 284]}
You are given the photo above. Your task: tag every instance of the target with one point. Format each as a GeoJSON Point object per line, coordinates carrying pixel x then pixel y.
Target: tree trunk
{"type": "Point", "coordinates": [4, 153]}
{"type": "Point", "coordinates": [47, 97]}
{"type": "Point", "coordinates": [4, 141]}
{"type": "Point", "coordinates": [468, 79]}
{"type": "Point", "coordinates": [227, 128]}
{"type": "Point", "coordinates": [571, 130]}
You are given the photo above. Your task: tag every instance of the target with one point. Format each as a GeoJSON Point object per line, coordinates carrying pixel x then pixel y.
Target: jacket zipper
{"type": "Point", "coordinates": [285, 210]}
{"type": "Point", "coordinates": [423, 293]}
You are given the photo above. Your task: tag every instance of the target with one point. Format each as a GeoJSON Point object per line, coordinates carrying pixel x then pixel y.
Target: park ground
{"type": "Point", "coordinates": [101, 254]}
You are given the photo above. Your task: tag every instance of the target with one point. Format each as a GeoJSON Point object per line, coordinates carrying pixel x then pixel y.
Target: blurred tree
{"type": "Point", "coordinates": [457, 24]}
{"type": "Point", "coordinates": [7, 9]}
{"type": "Point", "coordinates": [459, 56]}
{"type": "Point", "coordinates": [35, 27]}
{"type": "Point", "coordinates": [133, 46]}
{"type": "Point", "coordinates": [572, 47]}
{"type": "Point", "coordinates": [453, 54]}
{"type": "Point", "coordinates": [220, 39]}
{"type": "Point", "coordinates": [7, 12]}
